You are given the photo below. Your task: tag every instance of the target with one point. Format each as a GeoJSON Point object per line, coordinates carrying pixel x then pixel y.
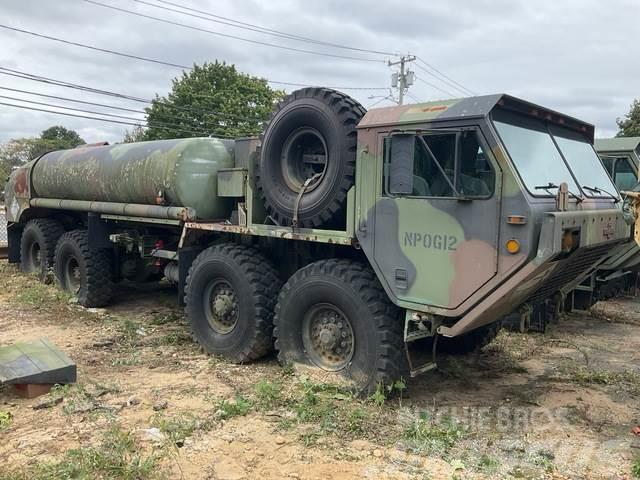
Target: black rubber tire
{"type": "Point", "coordinates": [334, 116]}
{"type": "Point", "coordinates": [470, 342]}
{"type": "Point", "coordinates": [94, 267]}
{"type": "Point", "coordinates": [43, 233]}
{"type": "Point", "coordinates": [378, 354]}
{"type": "Point", "coordinates": [256, 284]}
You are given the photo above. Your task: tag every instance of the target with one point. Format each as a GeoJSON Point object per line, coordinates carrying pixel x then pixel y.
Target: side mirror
{"type": "Point", "coordinates": [401, 157]}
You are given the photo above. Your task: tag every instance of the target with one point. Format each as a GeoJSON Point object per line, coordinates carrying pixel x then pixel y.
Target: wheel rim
{"type": "Point", "coordinates": [221, 306]}
{"type": "Point", "coordinates": [72, 277]}
{"type": "Point", "coordinates": [327, 336]}
{"type": "Point", "coordinates": [35, 256]}
{"type": "Point", "coordinates": [304, 156]}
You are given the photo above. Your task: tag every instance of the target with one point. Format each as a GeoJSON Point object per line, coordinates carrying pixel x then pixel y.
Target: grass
{"type": "Point", "coordinates": [268, 395]}
{"type": "Point", "coordinates": [40, 296]}
{"type": "Point", "coordinates": [572, 371]}
{"type": "Point", "coordinates": [488, 464]}
{"type": "Point", "coordinates": [433, 436]}
{"type": "Point", "coordinates": [117, 456]}
{"type": "Point", "coordinates": [238, 407]}
{"type": "Point", "coordinates": [5, 420]}
{"type": "Point", "coordinates": [81, 398]}
{"type": "Point", "coordinates": [635, 468]}
{"type": "Point", "coordinates": [177, 428]}
{"type": "Point", "coordinates": [164, 318]}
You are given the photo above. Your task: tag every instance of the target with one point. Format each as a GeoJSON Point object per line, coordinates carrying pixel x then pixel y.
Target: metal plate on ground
{"type": "Point", "coordinates": [38, 361]}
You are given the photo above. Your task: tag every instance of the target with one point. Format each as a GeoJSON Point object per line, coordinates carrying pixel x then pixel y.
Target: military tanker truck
{"type": "Point", "coordinates": [341, 237]}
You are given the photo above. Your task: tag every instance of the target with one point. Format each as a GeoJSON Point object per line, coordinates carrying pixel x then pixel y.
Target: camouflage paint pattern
{"type": "Point", "coordinates": [181, 173]}
{"type": "Point", "coordinates": [448, 258]}
{"type": "Point", "coordinates": [435, 255]}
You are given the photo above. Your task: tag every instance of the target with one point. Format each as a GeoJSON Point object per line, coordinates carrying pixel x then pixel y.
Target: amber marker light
{"type": "Point", "coordinates": [513, 246]}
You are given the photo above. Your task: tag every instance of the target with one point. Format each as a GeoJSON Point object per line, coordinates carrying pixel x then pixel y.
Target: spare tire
{"type": "Point", "coordinates": [311, 137]}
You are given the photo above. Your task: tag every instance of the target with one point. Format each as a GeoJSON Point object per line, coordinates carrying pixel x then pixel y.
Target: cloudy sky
{"type": "Point", "coordinates": [575, 56]}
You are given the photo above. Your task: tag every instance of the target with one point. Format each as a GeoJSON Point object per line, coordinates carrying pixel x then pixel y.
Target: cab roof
{"type": "Point", "coordinates": [470, 107]}
{"type": "Point", "coordinates": [617, 144]}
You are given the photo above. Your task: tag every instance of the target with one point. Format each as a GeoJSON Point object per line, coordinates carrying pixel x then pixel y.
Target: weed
{"type": "Point", "coordinates": [116, 457]}
{"type": "Point", "coordinates": [356, 421]}
{"type": "Point", "coordinates": [174, 338]}
{"type": "Point", "coordinates": [315, 405]}
{"type": "Point", "coordinates": [5, 420]}
{"type": "Point", "coordinates": [379, 397]}
{"type": "Point", "coordinates": [80, 398]}
{"type": "Point", "coordinates": [130, 357]}
{"type": "Point", "coordinates": [383, 392]}
{"type": "Point", "coordinates": [178, 427]}
{"type": "Point", "coordinates": [635, 468]}
{"type": "Point", "coordinates": [577, 373]}
{"type": "Point", "coordinates": [488, 464]}
{"type": "Point", "coordinates": [268, 394]}
{"type": "Point", "coordinates": [310, 438]}
{"type": "Point", "coordinates": [164, 318]}
{"type": "Point", "coordinates": [129, 330]}
{"type": "Point", "coordinates": [39, 296]}
{"type": "Point", "coordinates": [237, 407]}
{"type": "Point", "coordinates": [544, 459]}
{"type": "Point", "coordinates": [428, 434]}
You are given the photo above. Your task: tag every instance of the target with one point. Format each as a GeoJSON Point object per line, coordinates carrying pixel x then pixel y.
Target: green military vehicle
{"type": "Point", "coordinates": [341, 237]}
{"type": "Point", "coordinates": [618, 273]}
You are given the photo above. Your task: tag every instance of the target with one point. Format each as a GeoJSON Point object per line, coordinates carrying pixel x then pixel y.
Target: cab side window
{"type": "Point", "coordinates": [446, 163]}
{"type": "Point", "coordinates": [624, 176]}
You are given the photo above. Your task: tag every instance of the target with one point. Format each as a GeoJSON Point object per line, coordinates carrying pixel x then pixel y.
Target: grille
{"type": "Point", "coordinates": [568, 270]}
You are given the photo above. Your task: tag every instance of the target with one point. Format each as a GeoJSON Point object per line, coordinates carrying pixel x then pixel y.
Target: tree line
{"type": "Point", "coordinates": [213, 99]}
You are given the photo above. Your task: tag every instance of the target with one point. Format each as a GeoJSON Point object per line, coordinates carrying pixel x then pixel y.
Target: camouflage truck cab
{"type": "Point", "coordinates": [469, 209]}
{"type": "Point", "coordinates": [341, 237]}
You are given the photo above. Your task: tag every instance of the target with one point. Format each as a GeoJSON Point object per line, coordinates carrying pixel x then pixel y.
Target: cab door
{"type": "Point", "coordinates": [437, 216]}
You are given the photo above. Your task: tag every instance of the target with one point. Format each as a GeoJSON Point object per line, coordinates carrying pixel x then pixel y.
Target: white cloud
{"type": "Point", "coordinates": [575, 56]}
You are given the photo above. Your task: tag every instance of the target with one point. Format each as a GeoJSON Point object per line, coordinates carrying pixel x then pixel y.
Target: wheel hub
{"type": "Point", "coordinates": [72, 275]}
{"type": "Point", "coordinates": [221, 308]}
{"type": "Point", "coordinates": [36, 255]}
{"type": "Point", "coordinates": [328, 337]}
{"type": "Point", "coordinates": [304, 156]}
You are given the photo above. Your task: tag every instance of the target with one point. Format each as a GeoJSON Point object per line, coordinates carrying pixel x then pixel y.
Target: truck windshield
{"type": "Point", "coordinates": [536, 157]}
{"type": "Point", "coordinates": [586, 166]}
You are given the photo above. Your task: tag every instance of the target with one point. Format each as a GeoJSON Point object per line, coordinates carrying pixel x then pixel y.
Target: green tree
{"type": "Point", "coordinates": [20, 150]}
{"type": "Point", "coordinates": [630, 124]}
{"type": "Point", "coordinates": [136, 134]}
{"type": "Point", "coordinates": [213, 99]}
{"type": "Point", "coordinates": [62, 137]}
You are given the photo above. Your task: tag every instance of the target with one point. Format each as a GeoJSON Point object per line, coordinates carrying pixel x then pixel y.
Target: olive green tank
{"type": "Point", "coordinates": [180, 173]}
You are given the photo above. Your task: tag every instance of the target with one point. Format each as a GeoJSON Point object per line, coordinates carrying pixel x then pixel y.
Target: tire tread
{"type": "Point", "coordinates": [265, 282]}
{"type": "Point", "coordinates": [384, 315]}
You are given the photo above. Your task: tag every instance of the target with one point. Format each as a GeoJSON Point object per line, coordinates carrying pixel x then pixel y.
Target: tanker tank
{"type": "Point", "coordinates": [179, 173]}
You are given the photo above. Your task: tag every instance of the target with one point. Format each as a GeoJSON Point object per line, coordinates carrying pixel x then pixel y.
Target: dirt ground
{"type": "Point", "coordinates": [149, 404]}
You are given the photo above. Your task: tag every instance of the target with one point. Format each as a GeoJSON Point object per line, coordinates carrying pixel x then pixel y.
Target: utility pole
{"type": "Point", "coordinates": [402, 80]}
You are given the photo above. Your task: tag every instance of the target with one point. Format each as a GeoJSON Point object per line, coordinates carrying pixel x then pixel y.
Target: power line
{"type": "Point", "coordinates": [447, 79]}
{"type": "Point", "coordinates": [234, 37]}
{"type": "Point", "coordinates": [66, 99]}
{"type": "Point", "coordinates": [91, 47]}
{"type": "Point", "coordinates": [452, 95]}
{"type": "Point", "coordinates": [169, 125]}
{"type": "Point", "coordinates": [61, 83]}
{"type": "Point", "coordinates": [34, 102]}
{"type": "Point", "coordinates": [156, 61]}
{"type": "Point", "coordinates": [256, 28]}
{"type": "Point", "coordinates": [413, 97]}
{"type": "Point", "coordinates": [121, 122]}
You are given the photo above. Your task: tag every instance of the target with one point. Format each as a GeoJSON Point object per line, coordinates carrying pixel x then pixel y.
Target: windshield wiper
{"type": "Point", "coordinates": [601, 190]}
{"type": "Point", "coordinates": [551, 185]}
